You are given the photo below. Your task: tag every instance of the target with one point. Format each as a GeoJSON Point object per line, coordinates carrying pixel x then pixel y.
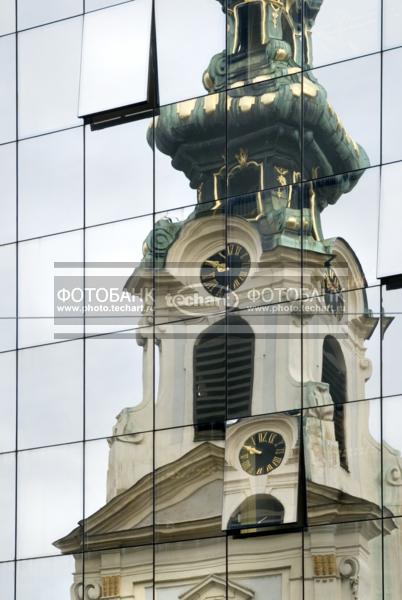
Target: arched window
{"type": "Point", "coordinates": [260, 509]}
{"type": "Point", "coordinates": [249, 27]}
{"type": "Point", "coordinates": [223, 376]}
{"type": "Point", "coordinates": [334, 373]}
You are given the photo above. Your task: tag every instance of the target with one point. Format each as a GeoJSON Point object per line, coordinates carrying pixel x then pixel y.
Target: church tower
{"type": "Point", "coordinates": [254, 337]}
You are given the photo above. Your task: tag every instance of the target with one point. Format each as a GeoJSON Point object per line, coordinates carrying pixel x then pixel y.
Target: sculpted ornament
{"type": "Point", "coordinates": [349, 568]}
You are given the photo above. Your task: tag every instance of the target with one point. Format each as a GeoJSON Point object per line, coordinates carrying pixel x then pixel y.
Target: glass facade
{"type": "Point", "coordinates": [200, 333]}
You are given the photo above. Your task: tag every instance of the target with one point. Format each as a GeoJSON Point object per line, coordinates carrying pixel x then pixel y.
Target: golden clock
{"type": "Point", "coordinates": [262, 452]}
{"type": "Point", "coordinates": [225, 270]}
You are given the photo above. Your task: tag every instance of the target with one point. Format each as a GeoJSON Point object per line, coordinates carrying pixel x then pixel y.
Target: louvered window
{"type": "Point", "coordinates": [334, 373]}
{"type": "Point", "coordinates": [223, 376]}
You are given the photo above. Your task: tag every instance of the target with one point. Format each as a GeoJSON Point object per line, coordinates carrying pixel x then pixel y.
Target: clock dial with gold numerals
{"type": "Point", "coordinates": [226, 270]}
{"type": "Point", "coordinates": [262, 452]}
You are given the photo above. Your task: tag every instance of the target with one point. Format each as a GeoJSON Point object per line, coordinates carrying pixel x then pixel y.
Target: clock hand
{"type": "Point", "coordinates": [220, 266]}
{"type": "Point", "coordinates": [252, 450]}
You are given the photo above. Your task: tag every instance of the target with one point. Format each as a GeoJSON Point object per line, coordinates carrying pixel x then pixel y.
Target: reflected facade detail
{"type": "Point", "coordinates": [235, 436]}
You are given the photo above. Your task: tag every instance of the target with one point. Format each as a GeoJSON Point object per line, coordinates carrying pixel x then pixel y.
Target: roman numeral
{"type": "Point", "coordinates": [272, 438]}
{"type": "Point", "coordinates": [276, 461]}
{"type": "Point", "coordinates": [262, 436]}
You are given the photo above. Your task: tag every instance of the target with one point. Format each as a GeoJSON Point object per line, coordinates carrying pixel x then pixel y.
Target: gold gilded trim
{"type": "Point", "coordinates": [111, 586]}
{"type": "Point", "coordinates": [268, 98]}
{"type": "Point", "coordinates": [184, 109]}
{"type": "Point", "coordinates": [313, 207]}
{"type": "Point", "coordinates": [210, 103]}
{"type": "Point", "coordinates": [324, 565]}
{"type": "Point", "coordinates": [246, 103]}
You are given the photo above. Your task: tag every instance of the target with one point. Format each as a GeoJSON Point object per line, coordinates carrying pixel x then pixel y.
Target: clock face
{"type": "Point", "coordinates": [226, 270]}
{"type": "Point", "coordinates": [262, 452]}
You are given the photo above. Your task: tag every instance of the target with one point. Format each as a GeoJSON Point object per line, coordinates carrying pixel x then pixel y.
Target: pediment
{"type": "Point", "coordinates": [214, 587]}
{"type": "Point", "coordinates": [127, 518]}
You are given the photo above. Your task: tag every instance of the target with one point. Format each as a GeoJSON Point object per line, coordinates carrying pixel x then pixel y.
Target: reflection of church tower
{"type": "Point", "coordinates": [257, 428]}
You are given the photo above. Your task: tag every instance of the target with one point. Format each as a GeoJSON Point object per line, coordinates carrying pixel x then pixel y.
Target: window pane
{"type": "Point", "coordinates": [50, 184]}
{"type": "Point", "coordinates": [392, 448]}
{"type": "Point", "coordinates": [392, 100]}
{"type": "Point", "coordinates": [392, 15]}
{"type": "Point", "coordinates": [391, 343]}
{"type": "Point", "coordinates": [35, 13]}
{"type": "Point", "coordinates": [8, 87]}
{"type": "Point", "coordinates": [7, 16]}
{"type": "Point", "coordinates": [117, 248]}
{"type": "Point", "coordinates": [49, 67]}
{"type": "Point", "coordinates": [119, 389]}
{"type": "Point", "coordinates": [390, 246]}
{"type": "Point", "coordinates": [354, 471]}
{"type": "Point", "coordinates": [8, 193]}
{"type": "Point", "coordinates": [181, 64]}
{"type": "Point", "coordinates": [177, 457]}
{"type": "Point", "coordinates": [7, 580]}
{"type": "Point", "coordinates": [7, 506]}
{"type": "Point", "coordinates": [115, 57]}
{"type": "Point", "coordinates": [118, 491]}
{"type": "Point", "coordinates": [349, 86]}
{"type": "Point", "coordinates": [341, 212]}
{"type": "Point", "coordinates": [7, 296]}
{"type": "Point", "coordinates": [52, 576]}
{"type": "Point", "coordinates": [36, 274]}
{"type": "Point", "coordinates": [95, 4]}
{"type": "Point", "coordinates": [50, 482]}
{"type": "Point", "coordinates": [7, 401]}
{"type": "Point", "coordinates": [345, 29]}
{"type": "Point", "coordinates": [277, 566]}
{"type": "Point", "coordinates": [119, 173]}
{"type": "Point", "coordinates": [40, 372]}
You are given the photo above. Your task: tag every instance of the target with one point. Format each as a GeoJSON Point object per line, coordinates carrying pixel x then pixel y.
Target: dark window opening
{"type": "Point", "coordinates": [249, 27]}
{"type": "Point", "coordinates": [260, 510]}
{"type": "Point", "coordinates": [223, 376]}
{"type": "Point", "coordinates": [334, 374]}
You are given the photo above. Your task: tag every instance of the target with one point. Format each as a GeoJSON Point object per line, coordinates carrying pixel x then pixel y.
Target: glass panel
{"type": "Point", "coordinates": [7, 297]}
{"type": "Point", "coordinates": [342, 216]}
{"type": "Point", "coordinates": [266, 567]}
{"type": "Point", "coordinates": [183, 70]}
{"type": "Point", "coordinates": [40, 261]}
{"type": "Point", "coordinates": [346, 30]}
{"type": "Point", "coordinates": [50, 172]}
{"type": "Point", "coordinates": [389, 244]}
{"type": "Point", "coordinates": [118, 491]}
{"type": "Point", "coordinates": [392, 15]}
{"type": "Point", "coordinates": [191, 137]}
{"type": "Point", "coordinates": [263, 41]}
{"type": "Point", "coordinates": [115, 57]}
{"type": "Point", "coordinates": [41, 370]}
{"type": "Point", "coordinates": [7, 506]}
{"type": "Point", "coordinates": [7, 401]}
{"type": "Point", "coordinates": [119, 375]}
{"type": "Point", "coordinates": [189, 265]}
{"type": "Point", "coordinates": [51, 577]}
{"type": "Point", "coordinates": [119, 173]}
{"type": "Point", "coordinates": [343, 462]}
{"type": "Point", "coordinates": [50, 498]}
{"type": "Point", "coordinates": [391, 342]}
{"type": "Point", "coordinates": [194, 569]}
{"type": "Point", "coordinates": [391, 452]}
{"type": "Point", "coordinates": [343, 560]}
{"type": "Point", "coordinates": [341, 343]}
{"type": "Point", "coordinates": [8, 193]}
{"type": "Point", "coordinates": [8, 86]}
{"type": "Point", "coordinates": [49, 66]}
{"type": "Point", "coordinates": [7, 577]}
{"type": "Point", "coordinates": [261, 489]}
{"type": "Point", "coordinates": [7, 16]}
{"type": "Point", "coordinates": [392, 558]}
{"type": "Point", "coordinates": [392, 99]}
{"type": "Point", "coordinates": [197, 471]}
{"type": "Point", "coordinates": [45, 11]}
{"type": "Point", "coordinates": [112, 252]}
{"type": "Point", "coordinates": [263, 134]}
{"type": "Point", "coordinates": [118, 571]}
{"type": "Point", "coordinates": [336, 136]}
